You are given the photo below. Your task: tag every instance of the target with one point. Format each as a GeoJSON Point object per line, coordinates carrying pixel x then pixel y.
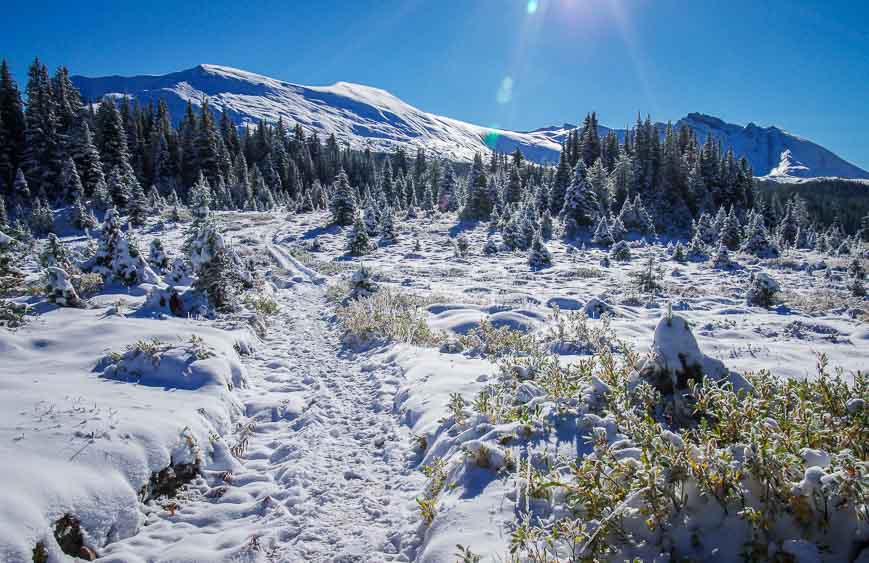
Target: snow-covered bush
{"type": "Point", "coordinates": [55, 254]}
{"type": "Point", "coordinates": [490, 247]}
{"type": "Point", "coordinates": [59, 289]}
{"type": "Point", "coordinates": [721, 260]}
{"type": "Point", "coordinates": [361, 284]}
{"type": "Point", "coordinates": [762, 290]}
{"type": "Point", "coordinates": [118, 257]}
{"type": "Point", "coordinates": [539, 256]}
{"type": "Point", "coordinates": [157, 256]}
{"type": "Point", "coordinates": [679, 253]}
{"type": "Point", "coordinates": [620, 251]}
{"type": "Point", "coordinates": [219, 271]}
{"type": "Point", "coordinates": [461, 246]}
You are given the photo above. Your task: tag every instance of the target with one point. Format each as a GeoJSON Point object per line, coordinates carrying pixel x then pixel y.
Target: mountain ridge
{"type": "Point", "coordinates": [369, 117]}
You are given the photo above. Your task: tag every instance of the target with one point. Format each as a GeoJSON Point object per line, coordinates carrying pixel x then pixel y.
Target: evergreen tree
{"type": "Point", "coordinates": [729, 235]}
{"type": "Point", "coordinates": [358, 243]}
{"type": "Point", "coordinates": [387, 228]}
{"type": "Point", "coordinates": [539, 256]}
{"type": "Point", "coordinates": [580, 206]}
{"type": "Point", "coordinates": [343, 205]}
{"type": "Point", "coordinates": [138, 207]}
{"type": "Point", "coordinates": [479, 202]}
{"type": "Point", "coordinates": [561, 182]}
{"type": "Point", "coordinates": [87, 159]}
{"type": "Point", "coordinates": [447, 200]}
{"type": "Point", "coordinates": [602, 235]}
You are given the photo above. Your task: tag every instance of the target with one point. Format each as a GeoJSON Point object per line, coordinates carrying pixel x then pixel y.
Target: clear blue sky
{"type": "Point", "coordinates": [520, 64]}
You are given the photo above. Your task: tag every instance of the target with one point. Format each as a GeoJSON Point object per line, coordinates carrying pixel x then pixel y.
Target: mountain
{"type": "Point", "coordinates": [367, 117]}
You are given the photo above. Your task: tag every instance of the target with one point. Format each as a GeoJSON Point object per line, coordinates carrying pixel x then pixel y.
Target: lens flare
{"type": "Point", "coordinates": [491, 139]}
{"type": "Point", "coordinates": [505, 91]}
{"type": "Point", "coordinates": [532, 6]}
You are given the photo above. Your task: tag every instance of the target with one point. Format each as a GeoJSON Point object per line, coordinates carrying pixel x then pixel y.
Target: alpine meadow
{"type": "Point", "coordinates": [250, 320]}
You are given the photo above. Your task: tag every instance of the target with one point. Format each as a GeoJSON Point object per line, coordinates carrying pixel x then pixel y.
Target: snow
{"type": "Point", "coordinates": [368, 117]}
{"type": "Point", "coordinates": [311, 450]}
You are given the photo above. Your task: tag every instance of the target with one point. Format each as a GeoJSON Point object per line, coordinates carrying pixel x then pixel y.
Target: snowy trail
{"type": "Point", "coordinates": [323, 474]}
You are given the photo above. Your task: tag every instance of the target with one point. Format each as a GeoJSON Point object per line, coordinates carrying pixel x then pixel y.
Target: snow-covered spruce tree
{"type": "Point", "coordinates": [729, 233]}
{"type": "Point", "coordinates": [539, 256]}
{"type": "Point", "coordinates": [4, 215]}
{"type": "Point", "coordinates": [155, 200]}
{"type": "Point", "coordinates": [447, 199]}
{"type": "Point", "coordinates": [617, 229]}
{"type": "Point", "coordinates": [602, 236]}
{"type": "Point", "coordinates": [200, 196]}
{"type": "Point", "coordinates": [479, 201]}
{"type": "Point", "coordinates": [620, 251]}
{"type": "Point", "coordinates": [59, 289]}
{"type": "Point", "coordinates": [343, 204]}
{"type": "Point", "coordinates": [82, 217]}
{"type": "Point", "coordinates": [71, 186]}
{"type": "Point", "coordinates": [697, 248]}
{"type": "Point", "coordinates": [387, 228]}
{"type": "Point", "coordinates": [490, 247]}
{"type": "Point", "coordinates": [371, 219]}
{"type": "Point", "coordinates": [41, 218]}
{"type": "Point", "coordinates": [762, 290]}
{"type": "Point", "coordinates": [721, 260]}
{"type": "Point", "coordinates": [679, 254]}
{"type": "Point", "coordinates": [856, 286]}
{"type": "Point", "coordinates": [55, 255]}
{"type": "Point", "coordinates": [157, 256]}
{"type": "Point", "coordinates": [117, 257]}
{"type": "Point", "coordinates": [580, 205]}
{"type": "Point", "coordinates": [512, 235]}
{"type": "Point", "coordinates": [856, 270]}
{"type": "Point", "coordinates": [358, 242]}
{"type": "Point", "coordinates": [179, 272]}
{"type": "Point", "coordinates": [361, 284]}
{"type": "Point", "coordinates": [756, 240]}
{"type": "Point", "coordinates": [20, 188]}
{"type": "Point", "coordinates": [547, 227]}
{"type": "Point", "coordinates": [461, 246]}
{"type": "Point", "coordinates": [138, 208]}
{"type": "Point", "coordinates": [219, 271]}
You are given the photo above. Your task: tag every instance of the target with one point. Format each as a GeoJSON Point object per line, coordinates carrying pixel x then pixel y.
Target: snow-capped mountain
{"type": "Point", "coordinates": [363, 116]}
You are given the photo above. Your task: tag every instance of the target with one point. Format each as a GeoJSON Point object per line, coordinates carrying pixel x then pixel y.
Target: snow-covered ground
{"type": "Point", "coordinates": [313, 447]}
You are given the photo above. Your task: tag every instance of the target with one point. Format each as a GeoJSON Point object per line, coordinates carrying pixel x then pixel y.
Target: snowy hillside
{"type": "Point", "coordinates": [363, 116]}
{"type": "Point", "coordinates": [370, 117]}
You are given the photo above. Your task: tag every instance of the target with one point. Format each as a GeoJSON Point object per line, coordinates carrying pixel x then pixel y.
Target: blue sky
{"type": "Point", "coordinates": [520, 64]}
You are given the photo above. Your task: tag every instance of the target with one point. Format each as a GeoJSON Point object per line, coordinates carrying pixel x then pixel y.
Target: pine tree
{"type": "Point", "coordinates": [157, 257]}
{"type": "Point", "coordinates": [201, 197]}
{"type": "Point", "coordinates": [219, 271]}
{"type": "Point", "coordinates": [82, 218]}
{"type": "Point", "coordinates": [343, 205]}
{"type": "Point", "coordinates": [41, 217]}
{"type": "Point", "coordinates": [447, 200]}
{"type": "Point", "coordinates": [55, 254]}
{"type": "Point", "coordinates": [561, 184]}
{"type": "Point", "coordinates": [42, 160]}
{"type": "Point", "coordinates": [4, 216]}
{"type": "Point", "coordinates": [71, 186]}
{"type": "Point", "coordinates": [580, 205]}
{"type": "Point", "coordinates": [358, 243]}
{"type": "Point", "coordinates": [387, 228]}
{"type": "Point", "coordinates": [88, 160]}
{"type": "Point", "coordinates": [138, 207]}
{"type": "Point", "coordinates": [479, 201]}
{"type": "Point", "coordinates": [729, 235]}
{"type": "Point", "coordinates": [361, 284]}
{"type": "Point", "coordinates": [539, 256]}
{"type": "Point", "coordinates": [118, 257]}
{"type": "Point", "coordinates": [602, 235]}
{"type": "Point", "coordinates": [20, 188]}
{"type": "Point", "coordinates": [12, 126]}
